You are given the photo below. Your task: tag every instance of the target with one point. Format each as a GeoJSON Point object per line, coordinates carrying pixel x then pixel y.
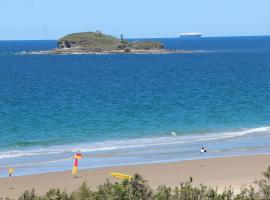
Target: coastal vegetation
{"type": "Point", "coordinates": [138, 189]}
{"type": "Point", "coordinates": [97, 41]}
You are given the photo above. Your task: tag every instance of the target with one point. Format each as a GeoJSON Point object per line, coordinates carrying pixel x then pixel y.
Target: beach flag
{"type": "Point", "coordinates": [121, 176]}
{"type": "Point", "coordinates": [77, 156]}
{"type": "Point", "coordinates": [10, 171]}
{"type": "Point", "coordinates": [75, 166]}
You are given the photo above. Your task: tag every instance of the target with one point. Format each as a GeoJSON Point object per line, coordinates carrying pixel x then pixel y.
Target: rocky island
{"type": "Point", "coordinates": [99, 43]}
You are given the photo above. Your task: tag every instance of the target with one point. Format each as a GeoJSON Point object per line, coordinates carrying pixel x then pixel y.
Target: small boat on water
{"type": "Point", "coordinates": [190, 35]}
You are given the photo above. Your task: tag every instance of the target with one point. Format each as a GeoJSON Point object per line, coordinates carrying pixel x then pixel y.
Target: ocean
{"type": "Point", "coordinates": [132, 109]}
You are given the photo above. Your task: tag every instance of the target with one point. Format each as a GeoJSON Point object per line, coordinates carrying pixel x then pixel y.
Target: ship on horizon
{"type": "Point", "coordinates": [190, 34]}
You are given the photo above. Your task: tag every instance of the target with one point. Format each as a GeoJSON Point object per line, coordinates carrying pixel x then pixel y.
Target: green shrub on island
{"type": "Point", "coordinates": [89, 40]}
{"type": "Point", "coordinates": [138, 189]}
{"type": "Point", "coordinates": [102, 42]}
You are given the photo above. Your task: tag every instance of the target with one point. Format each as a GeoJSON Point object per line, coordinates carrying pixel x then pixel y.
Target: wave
{"type": "Point", "coordinates": [133, 143]}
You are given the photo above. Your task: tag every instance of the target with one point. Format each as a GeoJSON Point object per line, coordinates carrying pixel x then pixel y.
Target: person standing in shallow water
{"type": "Point", "coordinates": [203, 150]}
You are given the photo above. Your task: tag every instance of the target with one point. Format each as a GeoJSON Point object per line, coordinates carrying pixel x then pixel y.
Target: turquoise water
{"type": "Point", "coordinates": [122, 109]}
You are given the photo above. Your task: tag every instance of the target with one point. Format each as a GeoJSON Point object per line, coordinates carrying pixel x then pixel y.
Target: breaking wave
{"type": "Point", "coordinates": [132, 143]}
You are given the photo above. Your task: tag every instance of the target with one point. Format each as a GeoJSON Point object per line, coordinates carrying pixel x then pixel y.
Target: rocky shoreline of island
{"type": "Point", "coordinates": [100, 43]}
{"type": "Point", "coordinates": [75, 51]}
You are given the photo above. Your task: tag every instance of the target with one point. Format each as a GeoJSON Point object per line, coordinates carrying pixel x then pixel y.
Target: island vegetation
{"type": "Point", "coordinates": [100, 43]}
{"type": "Point", "coordinates": [97, 41]}
{"type": "Point", "coordinates": [138, 189]}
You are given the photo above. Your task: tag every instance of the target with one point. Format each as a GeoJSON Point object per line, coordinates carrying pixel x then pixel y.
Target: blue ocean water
{"type": "Point", "coordinates": [123, 109]}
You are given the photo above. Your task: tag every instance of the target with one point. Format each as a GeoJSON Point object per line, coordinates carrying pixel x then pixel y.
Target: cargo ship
{"type": "Point", "coordinates": [190, 34]}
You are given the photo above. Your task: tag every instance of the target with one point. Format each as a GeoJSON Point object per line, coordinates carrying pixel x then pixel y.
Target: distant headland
{"type": "Point", "coordinates": [100, 43]}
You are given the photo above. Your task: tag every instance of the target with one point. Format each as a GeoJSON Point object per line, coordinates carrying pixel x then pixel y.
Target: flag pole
{"type": "Point", "coordinates": [10, 172]}
{"type": "Point", "coordinates": [75, 168]}
{"type": "Point", "coordinates": [77, 156]}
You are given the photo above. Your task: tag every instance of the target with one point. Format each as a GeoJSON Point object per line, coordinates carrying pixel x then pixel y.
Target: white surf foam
{"type": "Point", "coordinates": [133, 143]}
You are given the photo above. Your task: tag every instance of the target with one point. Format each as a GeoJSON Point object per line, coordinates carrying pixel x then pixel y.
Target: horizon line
{"type": "Point", "coordinates": [145, 38]}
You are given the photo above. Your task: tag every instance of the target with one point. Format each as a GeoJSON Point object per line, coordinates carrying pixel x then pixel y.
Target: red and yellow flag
{"type": "Point", "coordinates": [77, 156]}
{"type": "Point", "coordinates": [75, 166]}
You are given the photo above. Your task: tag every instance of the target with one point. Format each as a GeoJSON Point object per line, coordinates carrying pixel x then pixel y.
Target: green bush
{"type": "Point", "coordinates": [82, 193]}
{"type": "Point", "coordinates": [138, 189]}
{"type": "Point", "coordinates": [29, 195]}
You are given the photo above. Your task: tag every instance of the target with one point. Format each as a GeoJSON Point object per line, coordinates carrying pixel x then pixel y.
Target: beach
{"type": "Point", "coordinates": [135, 111]}
{"type": "Point", "coordinates": [123, 109]}
{"type": "Point", "coordinates": [141, 101]}
{"type": "Point", "coordinates": [215, 172]}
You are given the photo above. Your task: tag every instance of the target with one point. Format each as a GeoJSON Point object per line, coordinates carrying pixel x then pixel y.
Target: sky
{"type": "Point", "coordinates": [52, 19]}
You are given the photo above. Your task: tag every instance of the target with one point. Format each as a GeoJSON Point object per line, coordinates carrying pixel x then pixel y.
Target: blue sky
{"type": "Point", "coordinates": [51, 19]}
